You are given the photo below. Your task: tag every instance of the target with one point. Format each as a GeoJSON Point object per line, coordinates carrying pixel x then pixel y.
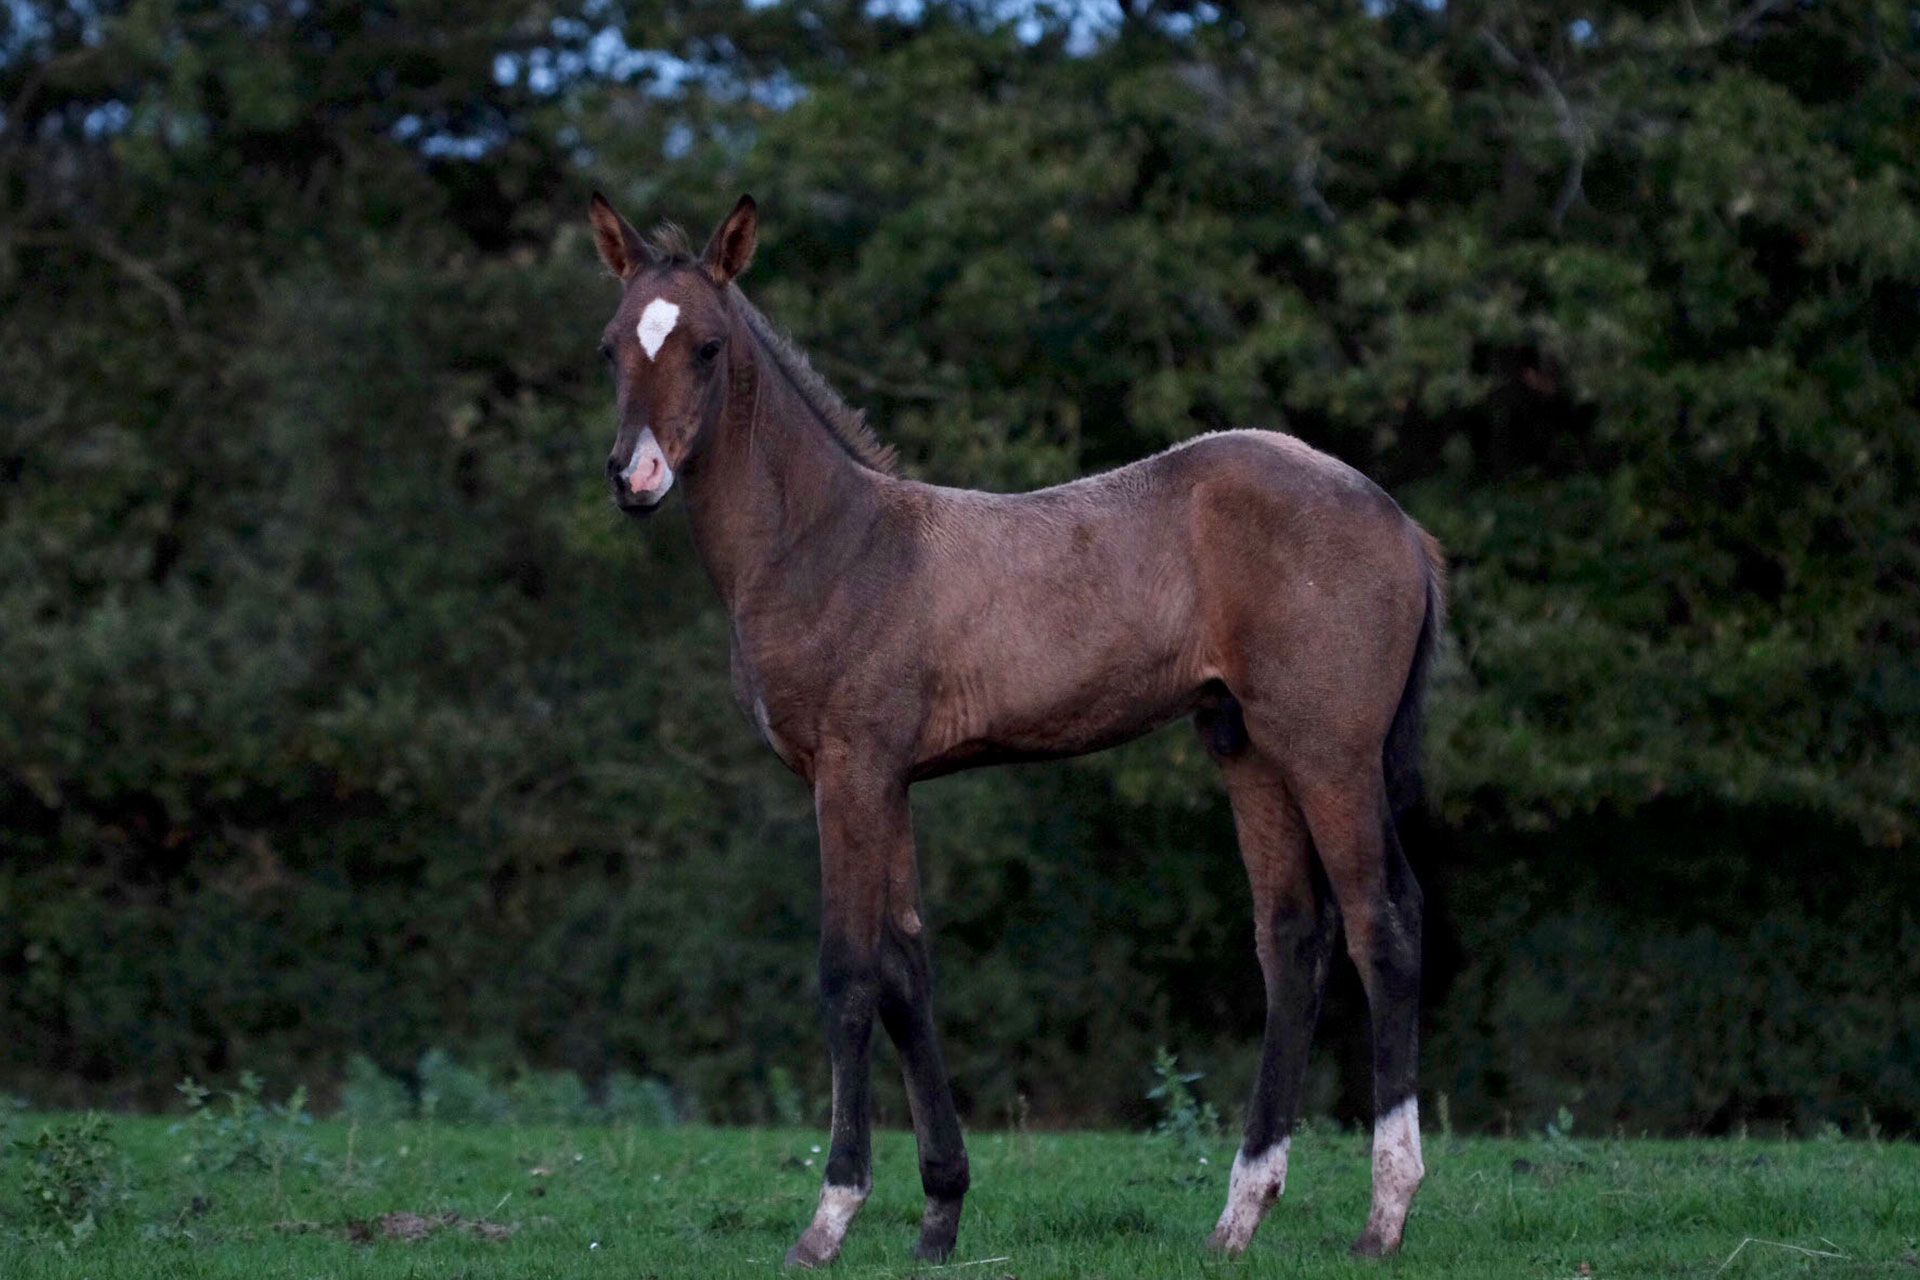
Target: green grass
{"type": "Point", "coordinates": [720, 1203]}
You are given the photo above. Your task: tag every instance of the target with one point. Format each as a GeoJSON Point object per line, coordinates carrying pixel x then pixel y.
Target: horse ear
{"type": "Point", "coordinates": [621, 247]}
{"type": "Point", "coordinates": [730, 251]}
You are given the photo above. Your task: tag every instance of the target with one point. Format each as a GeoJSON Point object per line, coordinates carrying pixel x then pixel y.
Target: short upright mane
{"type": "Point", "coordinates": [670, 245]}
{"type": "Point", "coordinates": [846, 424]}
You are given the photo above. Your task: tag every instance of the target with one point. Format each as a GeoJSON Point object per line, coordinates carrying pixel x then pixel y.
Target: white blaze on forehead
{"type": "Point", "coordinates": [656, 322]}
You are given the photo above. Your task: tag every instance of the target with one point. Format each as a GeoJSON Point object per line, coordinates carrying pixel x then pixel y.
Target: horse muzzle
{"type": "Point", "coordinates": [642, 479]}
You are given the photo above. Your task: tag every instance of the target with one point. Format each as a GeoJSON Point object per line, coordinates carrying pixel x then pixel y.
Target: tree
{"type": "Point", "coordinates": [342, 715]}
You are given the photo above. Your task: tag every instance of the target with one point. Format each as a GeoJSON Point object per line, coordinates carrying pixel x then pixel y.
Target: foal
{"type": "Point", "coordinates": [886, 631]}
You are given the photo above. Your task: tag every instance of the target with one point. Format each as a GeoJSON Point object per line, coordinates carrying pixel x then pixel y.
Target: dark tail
{"type": "Point", "coordinates": [1400, 758]}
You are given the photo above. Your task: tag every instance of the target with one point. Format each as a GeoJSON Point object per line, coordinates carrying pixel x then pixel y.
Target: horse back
{"type": "Point", "coordinates": [1060, 621]}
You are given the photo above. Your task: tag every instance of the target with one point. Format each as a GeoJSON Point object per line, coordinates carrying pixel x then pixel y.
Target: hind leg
{"type": "Point", "coordinates": [1293, 928]}
{"type": "Point", "coordinates": [1346, 813]}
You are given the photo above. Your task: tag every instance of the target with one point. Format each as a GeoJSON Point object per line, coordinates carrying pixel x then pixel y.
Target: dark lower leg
{"type": "Point", "coordinates": [849, 996]}
{"type": "Point", "coordinates": [906, 1009]}
{"type": "Point", "coordinates": [1391, 967]}
{"type": "Point", "coordinates": [1380, 906]}
{"type": "Point", "coordinates": [1294, 957]}
{"type": "Point", "coordinates": [1294, 920]}
{"type": "Point", "coordinates": [1296, 976]}
{"type": "Point", "coordinates": [867, 893]}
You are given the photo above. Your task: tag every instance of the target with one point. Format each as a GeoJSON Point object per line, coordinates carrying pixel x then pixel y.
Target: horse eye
{"type": "Point", "coordinates": [606, 352]}
{"type": "Point", "coordinates": [708, 350]}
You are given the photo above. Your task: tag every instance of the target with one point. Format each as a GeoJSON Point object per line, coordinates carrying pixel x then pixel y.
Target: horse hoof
{"type": "Point", "coordinates": [939, 1228]}
{"type": "Point", "coordinates": [1371, 1245]}
{"type": "Point", "coordinates": [805, 1255]}
{"type": "Point", "coordinates": [934, 1251]}
{"type": "Point", "coordinates": [1222, 1243]}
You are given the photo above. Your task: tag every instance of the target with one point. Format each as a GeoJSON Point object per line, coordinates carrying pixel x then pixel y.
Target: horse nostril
{"type": "Point", "coordinates": [613, 466]}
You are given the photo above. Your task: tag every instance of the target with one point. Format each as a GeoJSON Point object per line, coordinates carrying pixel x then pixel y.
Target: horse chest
{"type": "Point", "coordinates": [750, 691]}
{"type": "Point", "coordinates": [787, 751]}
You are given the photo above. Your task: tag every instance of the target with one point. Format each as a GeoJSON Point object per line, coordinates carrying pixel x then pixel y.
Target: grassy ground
{"type": "Point", "coordinates": [636, 1203]}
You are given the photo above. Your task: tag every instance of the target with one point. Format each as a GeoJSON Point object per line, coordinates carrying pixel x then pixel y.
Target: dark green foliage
{"type": "Point", "coordinates": [371, 1096]}
{"type": "Point", "coordinates": [1194, 1126]}
{"type": "Point", "coordinates": [240, 1130]}
{"type": "Point", "coordinates": [453, 1094]}
{"type": "Point", "coordinates": [70, 1177]}
{"type": "Point", "coordinates": [447, 1092]}
{"type": "Point", "coordinates": [341, 715]}
{"type": "Point", "coordinates": [644, 1104]}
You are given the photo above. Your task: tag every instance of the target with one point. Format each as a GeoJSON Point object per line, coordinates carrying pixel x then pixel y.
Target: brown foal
{"type": "Point", "coordinates": [886, 631]}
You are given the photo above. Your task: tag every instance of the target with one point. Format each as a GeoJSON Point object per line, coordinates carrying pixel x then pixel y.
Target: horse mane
{"type": "Point", "coordinates": [670, 245]}
{"type": "Point", "coordinates": [846, 424]}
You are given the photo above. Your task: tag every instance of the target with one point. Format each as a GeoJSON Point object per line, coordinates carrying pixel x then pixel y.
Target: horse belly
{"type": "Point", "coordinates": [1040, 711]}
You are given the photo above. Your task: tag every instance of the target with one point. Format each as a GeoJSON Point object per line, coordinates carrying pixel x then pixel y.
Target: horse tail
{"type": "Point", "coordinates": [1400, 757]}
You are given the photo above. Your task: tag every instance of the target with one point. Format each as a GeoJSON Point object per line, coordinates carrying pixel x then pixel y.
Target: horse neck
{"type": "Point", "coordinates": [775, 489]}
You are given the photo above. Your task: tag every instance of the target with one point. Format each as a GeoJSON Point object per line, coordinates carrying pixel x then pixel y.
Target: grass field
{"type": "Point", "coordinates": [637, 1203]}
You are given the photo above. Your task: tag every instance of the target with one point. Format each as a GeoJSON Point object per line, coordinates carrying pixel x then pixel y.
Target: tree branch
{"type": "Point", "coordinates": [137, 269]}
{"type": "Point", "coordinates": [145, 274]}
{"type": "Point", "coordinates": [1573, 128]}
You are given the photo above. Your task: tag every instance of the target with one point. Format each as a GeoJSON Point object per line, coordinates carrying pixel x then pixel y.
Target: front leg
{"type": "Point", "coordinates": [866, 873]}
{"type": "Point", "coordinates": [906, 1010]}
{"type": "Point", "coordinates": [849, 994]}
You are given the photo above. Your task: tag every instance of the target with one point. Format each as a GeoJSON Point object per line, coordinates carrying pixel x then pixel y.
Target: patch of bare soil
{"type": "Point", "coordinates": [412, 1227]}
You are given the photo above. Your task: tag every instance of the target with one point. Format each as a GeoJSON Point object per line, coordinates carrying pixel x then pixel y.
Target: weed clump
{"type": "Point", "coordinates": [1193, 1125]}
{"type": "Point", "coordinates": [371, 1096]}
{"type": "Point", "coordinates": [241, 1129]}
{"type": "Point", "coordinates": [71, 1178]}
{"type": "Point", "coordinates": [643, 1103]}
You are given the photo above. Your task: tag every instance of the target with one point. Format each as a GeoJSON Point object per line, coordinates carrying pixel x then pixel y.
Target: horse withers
{"type": "Point", "coordinates": [886, 631]}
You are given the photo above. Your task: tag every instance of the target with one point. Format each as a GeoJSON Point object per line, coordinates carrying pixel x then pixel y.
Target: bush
{"type": "Point", "coordinates": [341, 715]}
{"type": "Point", "coordinates": [454, 1094]}
{"type": "Point", "coordinates": [240, 1129]}
{"type": "Point", "coordinates": [645, 1104]}
{"type": "Point", "coordinates": [70, 1178]}
{"type": "Point", "coordinates": [371, 1096]}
